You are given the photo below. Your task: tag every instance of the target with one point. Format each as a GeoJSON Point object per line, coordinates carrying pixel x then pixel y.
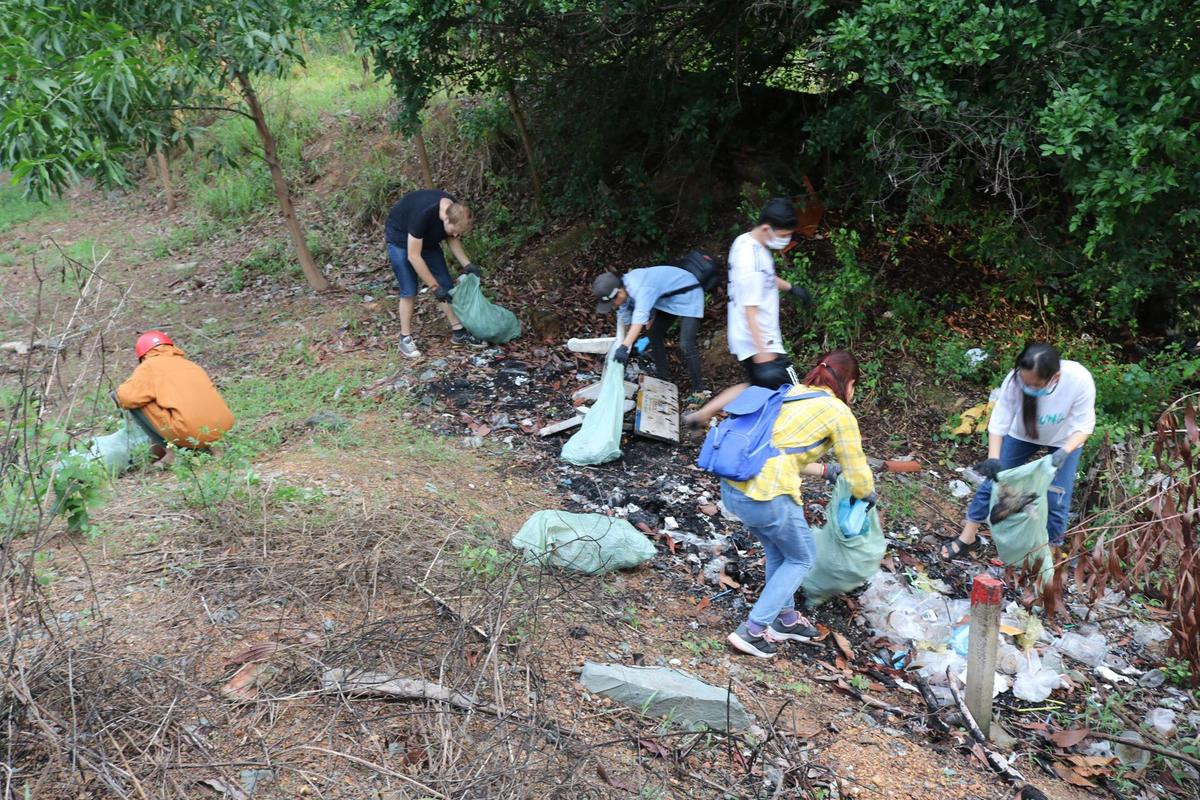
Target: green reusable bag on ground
{"type": "Point", "coordinates": [590, 543]}
{"type": "Point", "coordinates": [599, 437]}
{"type": "Point", "coordinates": [842, 563]}
{"type": "Point", "coordinates": [117, 451]}
{"type": "Point", "coordinates": [480, 316]}
{"type": "Point", "coordinates": [1019, 505]}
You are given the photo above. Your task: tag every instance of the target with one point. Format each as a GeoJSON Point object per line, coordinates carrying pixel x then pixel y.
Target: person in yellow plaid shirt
{"type": "Point", "coordinates": [771, 506]}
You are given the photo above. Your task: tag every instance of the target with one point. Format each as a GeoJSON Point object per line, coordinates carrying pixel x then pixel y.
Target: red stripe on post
{"type": "Point", "coordinates": [986, 591]}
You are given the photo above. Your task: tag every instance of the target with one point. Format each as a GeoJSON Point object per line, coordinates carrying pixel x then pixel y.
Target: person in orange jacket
{"type": "Point", "coordinates": [173, 399]}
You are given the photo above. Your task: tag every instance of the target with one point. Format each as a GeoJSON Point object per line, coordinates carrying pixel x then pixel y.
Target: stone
{"type": "Point", "coordinates": [252, 778]}
{"type": "Point", "coordinates": [664, 692]}
{"type": "Point", "coordinates": [327, 420]}
{"type": "Point", "coordinates": [1153, 679]}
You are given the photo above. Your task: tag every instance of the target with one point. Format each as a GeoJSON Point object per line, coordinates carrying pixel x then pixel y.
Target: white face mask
{"type": "Point", "coordinates": [778, 242]}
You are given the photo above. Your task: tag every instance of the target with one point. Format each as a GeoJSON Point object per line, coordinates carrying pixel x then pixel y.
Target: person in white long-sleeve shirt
{"type": "Point", "coordinates": [1045, 403]}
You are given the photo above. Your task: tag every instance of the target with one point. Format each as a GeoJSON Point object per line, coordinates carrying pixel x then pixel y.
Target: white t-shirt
{"type": "Point", "coordinates": [1070, 408]}
{"type": "Point", "coordinates": [752, 283]}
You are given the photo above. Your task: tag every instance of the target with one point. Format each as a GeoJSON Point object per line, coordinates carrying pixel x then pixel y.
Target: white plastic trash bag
{"type": "Point", "coordinates": [590, 543]}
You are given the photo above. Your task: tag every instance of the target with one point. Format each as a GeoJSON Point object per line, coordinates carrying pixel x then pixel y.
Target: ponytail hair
{"type": "Point", "coordinates": [835, 370]}
{"type": "Point", "coordinates": [1044, 361]}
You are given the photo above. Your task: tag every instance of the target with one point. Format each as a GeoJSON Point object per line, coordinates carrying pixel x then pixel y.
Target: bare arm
{"type": "Point", "coordinates": [456, 248]}
{"type": "Point", "coordinates": [994, 442]}
{"type": "Point", "coordinates": [782, 285]}
{"type": "Point", "coordinates": [635, 330]}
{"type": "Point", "coordinates": [1075, 441]}
{"type": "Point", "coordinates": [418, 263]}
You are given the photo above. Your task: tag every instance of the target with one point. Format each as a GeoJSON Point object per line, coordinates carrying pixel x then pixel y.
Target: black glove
{"type": "Point", "coordinates": [471, 269]}
{"type": "Point", "coordinates": [832, 471]}
{"type": "Point", "coordinates": [621, 355]}
{"type": "Point", "coordinates": [1060, 455]}
{"type": "Point", "coordinates": [442, 294]}
{"type": "Point", "coordinates": [870, 499]}
{"type": "Point", "coordinates": [989, 468]}
{"type": "Point", "coordinates": [802, 295]}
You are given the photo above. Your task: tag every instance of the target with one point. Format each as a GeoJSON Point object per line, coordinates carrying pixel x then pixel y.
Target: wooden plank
{"type": "Point", "coordinates": [593, 391]}
{"type": "Point", "coordinates": [657, 414]}
{"type": "Point", "coordinates": [567, 424]}
{"type": "Point", "coordinates": [598, 346]}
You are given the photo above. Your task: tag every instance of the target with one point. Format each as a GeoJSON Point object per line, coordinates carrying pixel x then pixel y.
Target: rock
{"type": "Point", "coordinates": [1002, 738]}
{"type": "Point", "coordinates": [959, 489]}
{"type": "Point", "coordinates": [427, 375]}
{"type": "Point", "coordinates": [252, 778]}
{"type": "Point", "coordinates": [327, 420]}
{"type": "Point", "coordinates": [225, 616]}
{"type": "Point", "coordinates": [659, 692]}
{"type": "Point", "coordinates": [709, 509]}
{"type": "Point", "coordinates": [438, 363]}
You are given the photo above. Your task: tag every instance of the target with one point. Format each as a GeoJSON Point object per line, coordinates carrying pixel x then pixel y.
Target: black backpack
{"type": "Point", "coordinates": [704, 269]}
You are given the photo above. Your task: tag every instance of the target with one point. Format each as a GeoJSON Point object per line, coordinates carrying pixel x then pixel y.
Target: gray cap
{"type": "Point", "coordinates": [605, 288]}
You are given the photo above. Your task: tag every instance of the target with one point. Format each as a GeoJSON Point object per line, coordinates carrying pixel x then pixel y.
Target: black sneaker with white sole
{"type": "Point", "coordinates": [748, 643]}
{"type": "Point", "coordinates": [800, 631]}
{"type": "Point", "coordinates": [463, 336]}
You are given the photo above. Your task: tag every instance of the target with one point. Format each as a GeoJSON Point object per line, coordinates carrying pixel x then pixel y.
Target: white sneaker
{"type": "Point", "coordinates": [408, 347]}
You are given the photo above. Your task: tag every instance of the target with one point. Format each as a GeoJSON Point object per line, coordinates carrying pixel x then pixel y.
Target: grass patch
{"type": "Point", "coordinates": [15, 208]}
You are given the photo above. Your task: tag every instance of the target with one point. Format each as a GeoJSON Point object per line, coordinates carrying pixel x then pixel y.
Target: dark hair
{"type": "Point", "coordinates": [1043, 359]}
{"type": "Point", "coordinates": [779, 213]}
{"type": "Point", "coordinates": [835, 370]}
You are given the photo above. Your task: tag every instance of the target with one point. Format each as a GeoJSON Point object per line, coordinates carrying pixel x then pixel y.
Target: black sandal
{"type": "Point", "coordinates": [957, 547]}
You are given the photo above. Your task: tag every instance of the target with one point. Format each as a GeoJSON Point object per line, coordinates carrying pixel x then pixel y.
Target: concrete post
{"type": "Point", "coordinates": [986, 596]}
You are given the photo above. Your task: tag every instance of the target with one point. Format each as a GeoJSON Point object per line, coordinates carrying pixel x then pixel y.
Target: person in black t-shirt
{"type": "Point", "coordinates": [415, 229]}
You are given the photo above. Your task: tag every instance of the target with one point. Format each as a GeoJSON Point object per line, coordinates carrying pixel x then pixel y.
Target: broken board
{"type": "Point", "coordinates": [657, 415]}
{"type": "Point", "coordinates": [593, 391]}
{"type": "Point", "coordinates": [567, 424]}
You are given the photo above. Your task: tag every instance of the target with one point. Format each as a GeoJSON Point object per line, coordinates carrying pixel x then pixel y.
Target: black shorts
{"type": "Point", "coordinates": [770, 375]}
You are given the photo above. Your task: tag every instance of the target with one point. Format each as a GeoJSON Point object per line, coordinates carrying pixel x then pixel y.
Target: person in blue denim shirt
{"type": "Point", "coordinates": [669, 293]}
{"type": "Point", "coordinates": [415, 229]}
{"type": "Point", "coordinates": [1045, 403]}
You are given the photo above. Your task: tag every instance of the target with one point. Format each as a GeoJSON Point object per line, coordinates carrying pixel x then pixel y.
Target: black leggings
{"type": "Point", "coordinates": [689, 332]}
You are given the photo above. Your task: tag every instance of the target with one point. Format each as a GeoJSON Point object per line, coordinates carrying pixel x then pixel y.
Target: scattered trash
{"type": "Point", "coordinates": [483, 318]}
{"type": "Point", "coordinates": [1135, 757]}
{"type": "Point", "coordinates": [841, 563]}
{"type": "Point", "coordinates": [1162, 720]}
{"type": "Point", "coordinates": [1145, 634]}
{"type": "Point", "coordinates": [959, 489]}
{"type": "Point", "coordinates": [1035, 680]}
{"type": "Point", "coordinates": [1089, 649]}
{"type": "Point", "coordinates": [959, 639]}
{"type": "Point", "coordinates": [665, 692]}
{"type": "Point", "coordinates": [589, 543]}
{"type": "Point", "coordinates": [975, 356]}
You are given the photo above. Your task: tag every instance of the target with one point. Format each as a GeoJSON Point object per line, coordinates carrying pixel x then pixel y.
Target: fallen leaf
{"type": "Point", "coordinates": [730, 582]}
{"type": "Point", "coordinates": [259, 652]}
{"type": "Point", "coordinates": [245, 683]}
{"type": "Point", "coordinates": [610, 780]}
{"type": "Point", "coordinates": [888, 563]}
{"type": "Point", "coordinates": [1068, 738]}
{"type": "Point", "coordinates": [703, 604]}
{"type": "Point", "coordinates": [221, 787]}
{"type": "Point", "coordinates": [654, 748]}
{"type": "Point", "coordinates": [823, 631]}
{"type": "Point", "coordinates": [844, 645]}
{"type": "Point", "coordinates": [670, 544]}
{"type": "Point", "coordinates": [478, 429]}
{"type": "Point", "coordinates": [710, 509]}
{"type": "Point", "coordinates": [416, 755]}
{"type": "Point", "coordinates": [1071, 776]}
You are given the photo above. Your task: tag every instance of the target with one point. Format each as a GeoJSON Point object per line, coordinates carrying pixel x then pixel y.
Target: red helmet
{"type": "Point", "coordinates": [150, 340]}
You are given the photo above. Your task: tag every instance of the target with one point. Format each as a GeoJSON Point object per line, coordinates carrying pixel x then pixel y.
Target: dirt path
{"type": "Point", "coordinates": [190, 639]}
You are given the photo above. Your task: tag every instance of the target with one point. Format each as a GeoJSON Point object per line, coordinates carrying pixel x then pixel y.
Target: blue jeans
{"type": "Point", "coordinates": [406, 276]}
{"type": "Point", "coordinates": [787, 544]}
{"type": "Point", "coordinates": [1014, 453]}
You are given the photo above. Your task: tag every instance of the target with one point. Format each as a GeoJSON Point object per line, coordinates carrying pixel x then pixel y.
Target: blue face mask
{"type": "Point", "coordinates": [1042, 392]}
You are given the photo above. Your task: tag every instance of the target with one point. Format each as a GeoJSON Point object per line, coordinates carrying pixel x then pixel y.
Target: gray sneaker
{"type": "Point", "coordinates": [801, 630]}
{"type": "Point", "coordinates": [759, 646]}
{"type": "Point", "coordinates": [408, 347]}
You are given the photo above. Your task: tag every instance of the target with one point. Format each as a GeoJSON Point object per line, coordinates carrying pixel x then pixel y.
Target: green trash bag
{"type": "Point", "coordinates": [480, 316]}
{"type": "Point", "coordinates": [1019, 508]}
{"type": "Point", "coordinates": [589, 543]}
{"type": "Point", "coordinates": [842, 564]}
{"type": "Point", "coordinates": [116, 451]}
{"type": "Point", "coordinates": [599, 437]}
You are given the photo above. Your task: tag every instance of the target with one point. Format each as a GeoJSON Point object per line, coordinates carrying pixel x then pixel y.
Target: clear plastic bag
{"type": "Point", "coordinates": [483, 318]}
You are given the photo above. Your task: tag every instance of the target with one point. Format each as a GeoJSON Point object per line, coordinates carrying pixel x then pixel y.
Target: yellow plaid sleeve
{"type": "Point", "coordinates": [847, 446]}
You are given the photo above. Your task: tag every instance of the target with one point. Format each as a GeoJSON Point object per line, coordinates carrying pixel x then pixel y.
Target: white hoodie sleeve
{"type": "Point", "coordinates": [1006, 408]}
{"type": "Point", "coordinates": [1082, 416]}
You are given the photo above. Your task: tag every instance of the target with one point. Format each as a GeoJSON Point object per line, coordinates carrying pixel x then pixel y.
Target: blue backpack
{"type": "Point", "coordinates": [740, 445]}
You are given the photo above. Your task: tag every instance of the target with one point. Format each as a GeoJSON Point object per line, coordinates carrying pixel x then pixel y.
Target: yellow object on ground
{"type": "Point", "coordinates": [974, 419]}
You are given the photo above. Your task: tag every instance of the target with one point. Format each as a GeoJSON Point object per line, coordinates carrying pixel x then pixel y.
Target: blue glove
{"type": "Point", "coordinates": [471, 269]}
{"type": "Point", "coordinates": [1058, 457]}
{"type": "Point", "coordinates": [621, 354]}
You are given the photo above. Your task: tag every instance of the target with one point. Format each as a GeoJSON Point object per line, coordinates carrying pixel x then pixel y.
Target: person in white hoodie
{"type": "Point", "coordinates": [1045, 403]}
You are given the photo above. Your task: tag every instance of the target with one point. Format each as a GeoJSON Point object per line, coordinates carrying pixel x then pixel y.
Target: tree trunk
{"type": "Point", "coordinates": [519, 119]}
{"type": "Point", "coordinates": [270, 154]}
{"type": "Point", "coordinates": [423, 155]}
{"type": "Point", "coordinates": [164, 174]}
